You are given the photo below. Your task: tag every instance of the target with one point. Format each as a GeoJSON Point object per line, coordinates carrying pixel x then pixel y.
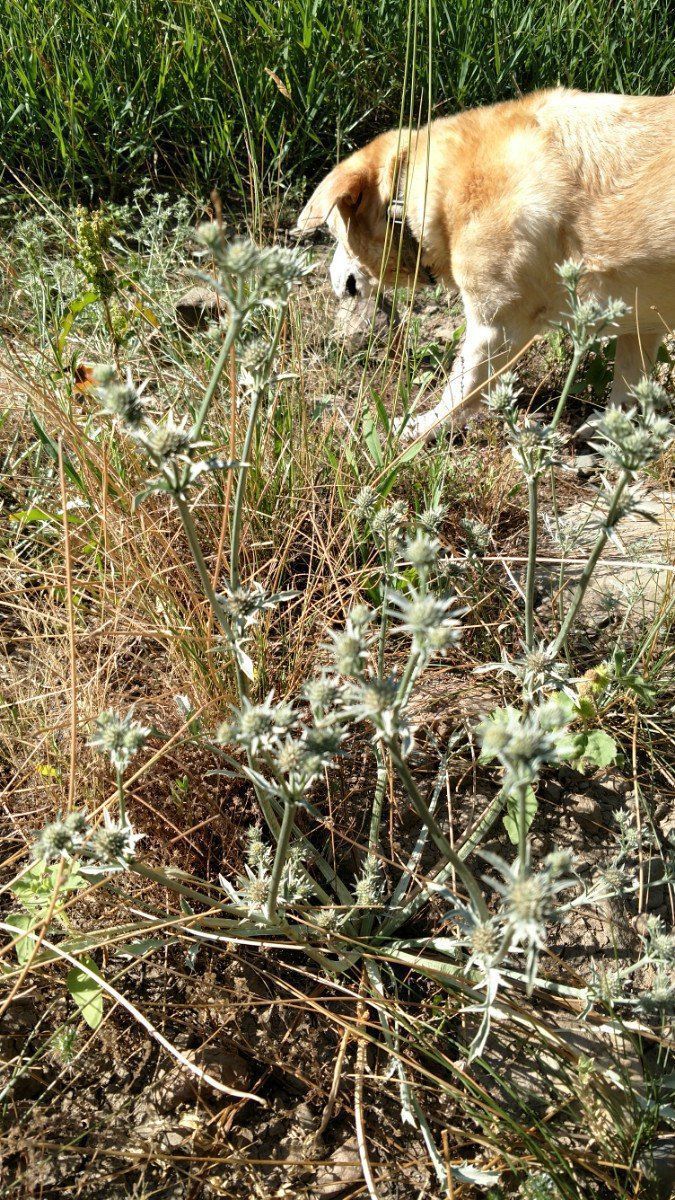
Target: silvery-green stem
{"type": "Point", "coordinates": [443, 870]}
{"type": "Point", "coordinates": [205, 578]}
{"type": "Point", "coordinates": [120, 797]}
{"type": "Point", "coordinates": [190, 893]}
{"type": "Point", "coordinates": [522, 829]}
{"type": "Point", "coordinates": [191, 532]}
{"type": "Point", "coordinates": [408, 677]}
{"type": "Point", "coordinates": [375, 822]}
{"type": "Point", "coordinates": [580, 590]}
{"type": "Point", "coordinates": [383, 615]}
{"type": "Point", "coordinates": [533, 506]}
{"type": "Point", "coordinates": [283, 843]}
{"type": "Point", "coordinates": [425, 815]}
{"type": "Point", "coordinates": [381, 783]}
{"type": "Point", "coordinates": [378, 800]}
{"type": "Point", "coordinates": [229, 341]}
{"type": "Point", "coordinates": [238, 508]}
{"type": "Point", "coordinates": [560, 407]}
{"type": "Point", "coordinates": [329, 873]}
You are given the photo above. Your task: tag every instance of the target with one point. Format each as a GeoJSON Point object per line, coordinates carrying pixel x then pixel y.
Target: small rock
{"type": "Point", "coordinates": [343, 1167]}
{"type": "Point", "coordinates": [586, 812]}
{"type": "Point", "coordinates": [632, 579]}
{"type": "Point", "coordinates": [305, 1117]}
{"type": "Point", "coordinates": [197, 307]}
{"type": "Point", "coordinates": [659, 1165]}
{"type": "Point", "coordinates": [178, 1086]}
{"type": "Point", "coordinates": [586, 464]}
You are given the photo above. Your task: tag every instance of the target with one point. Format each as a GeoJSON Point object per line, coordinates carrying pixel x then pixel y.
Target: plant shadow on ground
{"type": "Point", "coordinates": [561, 1102]}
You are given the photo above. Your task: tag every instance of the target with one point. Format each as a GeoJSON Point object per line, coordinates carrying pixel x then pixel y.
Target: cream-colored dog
{"type": "Point", "coordinates": [490, 200]}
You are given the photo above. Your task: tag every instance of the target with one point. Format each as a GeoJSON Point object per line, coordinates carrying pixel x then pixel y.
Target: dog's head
{"type": "Point", "coordinates": [356, 200]}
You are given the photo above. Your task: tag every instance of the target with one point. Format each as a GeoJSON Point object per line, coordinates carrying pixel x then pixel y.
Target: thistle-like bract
{"type": "Point", "coordinates": [119, 737]}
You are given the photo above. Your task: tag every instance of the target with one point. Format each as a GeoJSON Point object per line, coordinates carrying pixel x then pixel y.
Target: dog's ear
{"type": "Point", "coordinates": [348, 185]}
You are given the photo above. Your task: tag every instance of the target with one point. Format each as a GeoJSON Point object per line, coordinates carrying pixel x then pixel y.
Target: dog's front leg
{"type": "Point", "coordinates": [461, 397]}
{"type": "Point", "coordinates": [482, 349]}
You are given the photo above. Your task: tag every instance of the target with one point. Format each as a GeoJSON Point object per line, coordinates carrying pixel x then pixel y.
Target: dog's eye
{"type": "Point", "coordinates": [351, 285]}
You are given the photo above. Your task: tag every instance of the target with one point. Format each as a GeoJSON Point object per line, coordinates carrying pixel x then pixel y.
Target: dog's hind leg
{"type": "Point", "coordinates": [635, 355]}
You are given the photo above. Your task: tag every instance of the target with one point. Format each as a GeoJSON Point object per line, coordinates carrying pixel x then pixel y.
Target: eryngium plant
{"type": "Point", "coordinates": [344, 915]}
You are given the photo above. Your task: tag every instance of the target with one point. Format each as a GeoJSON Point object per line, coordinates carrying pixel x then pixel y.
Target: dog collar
{"type": "Point", "coordinates": [411, 254]}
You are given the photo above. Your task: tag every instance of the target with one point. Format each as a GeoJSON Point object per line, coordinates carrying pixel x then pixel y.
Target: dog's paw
{"type": "Point", "coordinates": [425, 428]}
{"type": "Point", "coordinates": [585, 432]}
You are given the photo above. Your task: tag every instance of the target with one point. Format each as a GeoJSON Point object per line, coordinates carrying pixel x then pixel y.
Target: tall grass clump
{"type": "Point", "coordinates": [461, 930]}
{"type": "Point", "coordinates": [95, 97]}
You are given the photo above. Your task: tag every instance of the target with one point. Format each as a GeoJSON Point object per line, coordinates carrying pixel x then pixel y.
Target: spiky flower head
{"type": "Point", "coordinates": [372, 697]}
{"type": "Point", "coordinates": [376, 701]}
{"type": "Point", "coordinates": [323, 742]}
{"type": "Point", "coordinates": [589, 317]}
{"type": "Point", "coordinates": [660, 942]}
{"type": "Point", "coordinates": [350, 645]}
{"type": "Point", "coordinates": [257, 852]}
{"type": "Point", "coordinates": [281, 267]}
{"type": "Point", "coordinates": [257, 727]}
{"type": "Point", "coordinates": [254, 355]}
{"type": "Point", "coordinates": [64, 838]}
{"type": "Point", "coordinates": [529, 902]}
{"type": "Point", "coordinates": [369, 886]}
{"type": "Point", "coordinates": [254, 890]}
{"type": "Point", "coordinates": [650, 395]}
{"type": "Point", "coordinates": [271, 272]}
{"type": "Point", "coordinates": [476, 533]}
{"type": "Point", "coordinates": [632, 438]}
{"type": "Point", "coordinates": [484, 943]}
{"type": "Point", "coordinates": [570, 272]}
{"type": "Point", "coordinates": [614, 879]}
{"type": "Point", "coordinates": [296, 886]}
{"type": "Point", "coordinates": [114, 846]}
{"type": "Point", "coordinates": [121, 400]}
{"type": "Point", "coordinates": [390, 521]}
{"type": "Point", "coordinates": [292, 756]}
{"type": "Point", "coordinates": [605, 986]}
{"type": "Point", "coordinates": [244, 605]}
{"type": "Point", "coordinates": [328, 919]}
{"type": "Point", "coordinates": [322, 693]}
{"type": "Point", "coordinates": [535, 447]}
{"type": "Point", "coordinates": [503, 395]}
{"type": "Point", "coordinates": [661, 995]}
{"type": "Point", "coordinates": [361, 616]}
{"type": "Point", "coordinates": [524, 742]}
{"type": "Point", "coordinates": [119, 737]}
{"type": "Point", "coordinates": [168, 439]}
{"type": "Point", "coordinates": [62, 1043]}
{"type": "Point", "coordinates": [540, 1186]}
{"type": "Point", "coordinates": [422, 552]}
{"type": "Point", "coordinates": [239, 257]}
{"type": "Point", "coordinates": [432, 621]}
{"type": "Point", "coordinates": [365, 503]}
{"type": "Point", "coordinates": [431, 519]}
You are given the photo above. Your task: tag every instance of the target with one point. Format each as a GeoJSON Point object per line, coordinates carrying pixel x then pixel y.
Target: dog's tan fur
{"type": "Point", "coordinates": [497, 196]}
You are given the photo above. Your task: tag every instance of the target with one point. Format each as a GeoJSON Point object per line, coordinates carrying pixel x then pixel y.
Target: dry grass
{"type": "Point", "coordinates": [143, 635]}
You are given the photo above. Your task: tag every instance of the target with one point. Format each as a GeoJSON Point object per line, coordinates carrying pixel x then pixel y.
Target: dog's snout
{"type": "Point", "coordinates": [350, 285]}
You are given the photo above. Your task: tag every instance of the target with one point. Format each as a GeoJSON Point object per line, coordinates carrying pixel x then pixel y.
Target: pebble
{"type": "Point", "coordinates": [586, 812]}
